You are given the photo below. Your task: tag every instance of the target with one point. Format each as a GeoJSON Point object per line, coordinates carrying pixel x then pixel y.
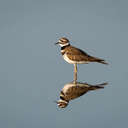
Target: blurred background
{"type": "Point", "coordinates": [32, 71]}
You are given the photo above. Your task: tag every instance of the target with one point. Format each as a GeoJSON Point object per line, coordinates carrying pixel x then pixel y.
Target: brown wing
{"type": "Point", "coordinates": [74, 92]}
{"type": "Point", "coordinates": [76, 54]}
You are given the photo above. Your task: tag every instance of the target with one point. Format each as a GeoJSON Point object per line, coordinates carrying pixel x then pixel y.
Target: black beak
{"type": "Point", "coordinates": [56, 43]}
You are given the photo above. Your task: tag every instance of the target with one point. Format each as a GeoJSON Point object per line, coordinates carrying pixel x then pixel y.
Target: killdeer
{"type": "Point", "coordinates": [75, 55]}
{"type": "Point", "coordinates": [71, 91]}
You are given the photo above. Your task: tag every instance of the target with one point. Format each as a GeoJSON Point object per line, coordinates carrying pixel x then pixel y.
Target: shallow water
{"type": "Point", "coordinates": [32, 71]}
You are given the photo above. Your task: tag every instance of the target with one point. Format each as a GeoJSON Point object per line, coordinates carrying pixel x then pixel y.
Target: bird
{"type": "Point", "coordinates": [70, 91]}
{"type": "Point", "coordinates": [75, 55]}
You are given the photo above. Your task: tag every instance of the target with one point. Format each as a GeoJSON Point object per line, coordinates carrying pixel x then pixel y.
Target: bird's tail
{"type": "Point", "coordinates": [95, 59]}
{"type": "Point", "coordinates": [101, 61]}
{"type": "Point", "coordinates": [98, 86]}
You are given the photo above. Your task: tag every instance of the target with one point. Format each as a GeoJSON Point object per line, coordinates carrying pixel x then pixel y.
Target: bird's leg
{"type": "Point", "coordinates": [75, 73]}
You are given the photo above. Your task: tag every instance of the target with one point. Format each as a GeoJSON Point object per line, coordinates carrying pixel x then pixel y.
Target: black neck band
{"type": "Point", "coordinates": [62, 48]}
{"type": "Point", "coordinates": [62, 98]}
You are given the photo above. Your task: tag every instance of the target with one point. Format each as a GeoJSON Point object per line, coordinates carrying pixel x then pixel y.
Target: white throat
{"type": "Point", "coordinates": [62, 45]}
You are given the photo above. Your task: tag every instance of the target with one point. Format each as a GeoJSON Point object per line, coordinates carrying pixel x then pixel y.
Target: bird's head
{"type": "Point", "coordinates": [63, 42]}
{"type": "Point", "coordinates": [62, 103]}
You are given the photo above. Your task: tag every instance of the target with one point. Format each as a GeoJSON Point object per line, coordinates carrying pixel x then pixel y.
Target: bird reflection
{"type": "Point", "coordinates": [71, 91]}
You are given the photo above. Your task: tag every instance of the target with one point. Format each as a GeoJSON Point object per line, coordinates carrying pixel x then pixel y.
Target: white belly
{"type": "Point", "coordinates": [67, 87]}
{"type": "Point", "coordinates": [73, 62]}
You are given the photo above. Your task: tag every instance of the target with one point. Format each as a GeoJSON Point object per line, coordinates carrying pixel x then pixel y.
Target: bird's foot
{"type": "Point", "coordinates": [75, 82]}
